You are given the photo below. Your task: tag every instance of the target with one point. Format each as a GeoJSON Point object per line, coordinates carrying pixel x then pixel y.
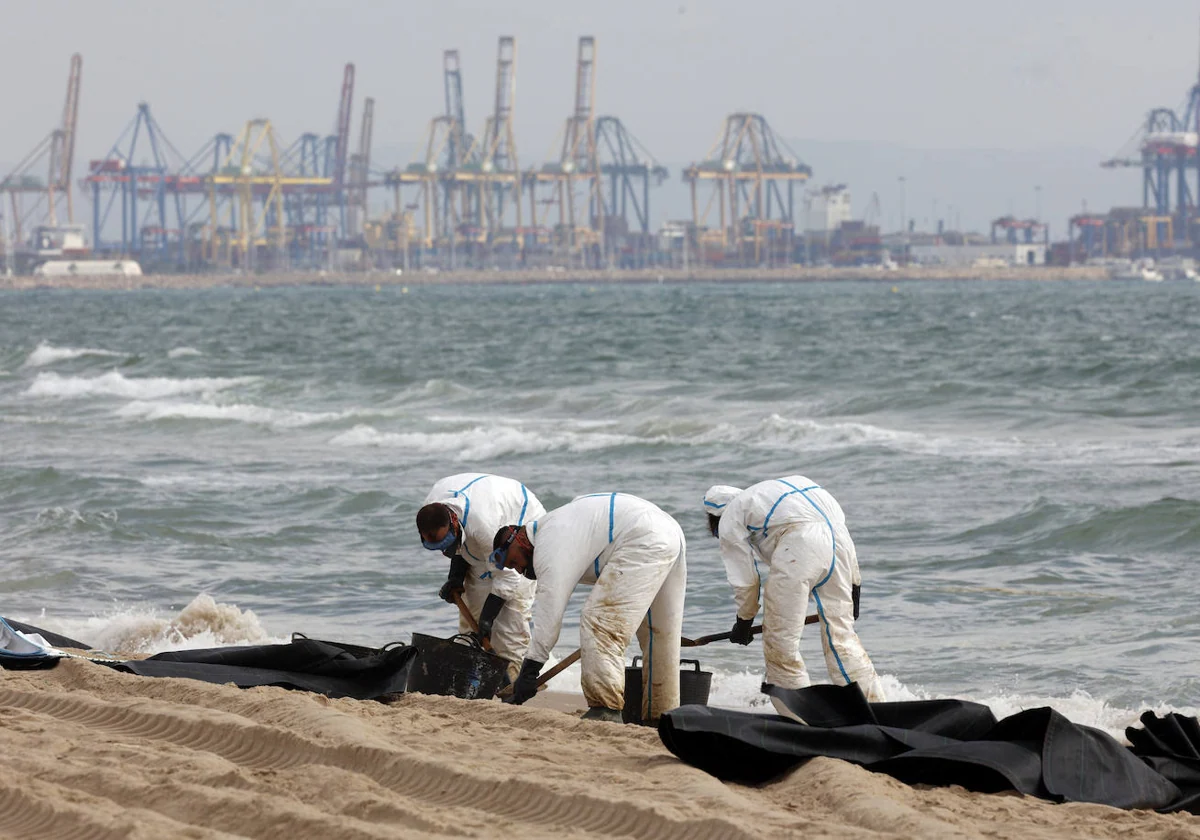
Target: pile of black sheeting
{"type": "Point", "coordinates": [943, 742]}
{"type": "Point", "coordinates": [306, 664]}
{"type": "Point", "coordinates": [334, 669]}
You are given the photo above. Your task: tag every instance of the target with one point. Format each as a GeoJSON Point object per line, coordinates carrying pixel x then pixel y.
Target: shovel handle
{"type": "Point", "coordinates": [721, 637]}
{"type": "Point", "coordinates": [470, 619]}
{"type": "Point", "coordinates": [569, 660]}
{"type": "Point", "coordinates": [466, 613]}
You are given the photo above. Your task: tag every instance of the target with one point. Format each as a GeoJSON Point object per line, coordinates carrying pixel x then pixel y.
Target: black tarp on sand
{"type": "Point", "coordinates": [941, 742]}
{"type": "Point", "coordinates": [331, 668]}
{"type": "Point", "coordinates": [306, 664]}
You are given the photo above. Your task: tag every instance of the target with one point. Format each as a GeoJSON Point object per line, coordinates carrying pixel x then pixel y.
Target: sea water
{"type": "Point", "coordinates": [1019, 462]}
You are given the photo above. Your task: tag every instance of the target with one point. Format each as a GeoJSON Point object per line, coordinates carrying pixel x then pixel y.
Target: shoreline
{"type": "Point", "coordinates": [88, 750]}
{"type": "Point", "coordinates": [418, 277]}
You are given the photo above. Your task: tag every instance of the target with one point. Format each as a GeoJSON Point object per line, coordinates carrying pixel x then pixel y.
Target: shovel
{"type": "Point", "coordinates": [470, 619]}
{"type": "Point", "coordinates": [684, 641]}
{"type": "Point", "coordinates": [569, 660]}
{"type": "Point", "coordinates": [720, 637]}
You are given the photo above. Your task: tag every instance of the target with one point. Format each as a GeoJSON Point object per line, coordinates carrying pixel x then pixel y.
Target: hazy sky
{"type": "Point", "coordinates": [927, 74]}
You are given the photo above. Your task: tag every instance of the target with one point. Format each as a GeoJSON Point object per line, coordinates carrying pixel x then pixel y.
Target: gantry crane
{"type": "Point", "coordinates": [494, 169]}
{"type": "Point", "coordinates": [253, 180]}
{"type": "Point", "coordinates": [628, 170]}
{"type": "Point", "coordinates": [360, 165]}
{"type": "Point", "coordinates": [58, 148]}
{"type": "Point", "coordinates": [63, 152]}
{"type": "Point", "coordinates": [1165, 147]}
{"type": "Point", "coordinates": [753, 174]}
{"type": "Point", "coordinates": [581, 218]}
{"type": "Point", "coordinates": [448, 147]}
{"type": "Point", "coordinates": [342, 144]}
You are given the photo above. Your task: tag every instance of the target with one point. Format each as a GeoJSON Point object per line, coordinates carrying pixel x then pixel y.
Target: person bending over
{"type": "Point", "coordinates": [796, 531]}
{"type": "Point", "coordinates": [634, 554]}
{"type": "Point", "coordinates": [458, 518]}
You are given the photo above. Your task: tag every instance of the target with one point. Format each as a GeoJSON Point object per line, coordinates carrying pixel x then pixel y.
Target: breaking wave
{"type": "Point", "coordinates": [236, 412]}
{"type": "Point", "coordinates": [202, 623]}
{"type": "Point", "coordinates": [47, 354]}
{"type": "Point", "coordinates": [180, 352]}
{"type": "Point", "coordinates": [484, 442]}
{"type": "Point", "coordinates": [113, 384]}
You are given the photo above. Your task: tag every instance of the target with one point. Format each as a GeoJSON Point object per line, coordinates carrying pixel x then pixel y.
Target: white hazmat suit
{"type": "Point", "coordinates": [483, 504]}
{"type": "Point", "coordinates": [796, 530]}
{"type": "Point", "coordinates": [634, 554]}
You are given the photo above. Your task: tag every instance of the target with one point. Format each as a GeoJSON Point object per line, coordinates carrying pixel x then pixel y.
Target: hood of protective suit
{"type": "Point", "coordinates": [717, 497]}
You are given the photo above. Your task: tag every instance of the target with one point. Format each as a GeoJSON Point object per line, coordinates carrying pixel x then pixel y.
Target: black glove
{"type": "Point", "coordinates": [456, 581]}
{"type": "Point", "coordinates": [526, 685]}
{"type": "Point", "coordinates": [487, 616]}
{"type": "Point", "coordinates": [855, 592]}
{"type": "Point", "coordinates": [740, 634]}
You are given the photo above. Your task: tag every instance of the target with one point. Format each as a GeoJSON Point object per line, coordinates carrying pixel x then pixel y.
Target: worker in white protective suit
{"type": "Point", "coordinates": [634, 555]}
{"type": "Point", "coordinates": [459, 518]}
{"type": "Point", "coordinates": [796, 531]}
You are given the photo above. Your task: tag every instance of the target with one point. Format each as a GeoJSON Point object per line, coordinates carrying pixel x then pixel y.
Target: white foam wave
{"type": "Point", "coordinates": [775, 430]}
{"type": "Point", "coordinates": [64, 517]}
{"type": "Point", "coordinates": [484, 442]}
{"type": "Point", "coordinates": [202, 623]}
{"type": "Point", "coordinates": [115, 385]}
{"type": "Point", "coordinates": [237, 412]}
{"type": "Point", "coordinates": [180, 352]}
{"type": "Point", "coordinates": [47, 354]}
{"type": "Point", "coordinates": [742, 691]}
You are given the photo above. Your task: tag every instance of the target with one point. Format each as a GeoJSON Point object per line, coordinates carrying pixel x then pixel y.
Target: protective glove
{"type": "Point", "coordinates": [855, 592]}
{"type": "Point", "coordinates": [740, 634]}
{"type": "Point", "coordinates": [526, 684]}
{"type": "Point", "coordinates": [456, 581]}
{"type": "Point", "coordinates": [487, 616]}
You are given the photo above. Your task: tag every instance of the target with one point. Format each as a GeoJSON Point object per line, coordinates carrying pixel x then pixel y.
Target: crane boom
{"type": "Point", "coordinates": [455, 110]}
{"type": "Point", "coordinates": [500, 145]}
{"type": "Point", "coordinates": [364, 137]}
{"type": "Point", "coordinates": [579, 147]}
{"type": "Point", "coordinates": [62, 150]}
{"type": "Point", "coordinates": [364, 152]}
{"type": "Point", "coordinates": [345, 105]}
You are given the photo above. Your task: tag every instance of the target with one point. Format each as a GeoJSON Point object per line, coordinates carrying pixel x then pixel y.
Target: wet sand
{"type": "Point", "coordinates": [89, 752]}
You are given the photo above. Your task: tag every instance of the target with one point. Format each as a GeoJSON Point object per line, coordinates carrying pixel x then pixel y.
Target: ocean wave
{"type": "Point", "coordinates": [203, 623]}
{"type": "Point", "coordinates": [113, 384]}
{"type": "Point", "coordinates": [775, 431]}
{"type": "Point", "coordinates": [482, 442]}
{"type": "Point", "coordinates": [70, 519]}
{"type": "Point", "coordinates": [179, 352]}
{"type": "Point", "coordinates": [1167, 524]}
{"type": "Point", "coordinates": [235, 412]}
{"type": "Point", "coordinates": [47, 354]}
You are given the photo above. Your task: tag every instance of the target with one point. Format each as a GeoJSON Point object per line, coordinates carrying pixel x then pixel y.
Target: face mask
{"type": "Point", "coordinates": [446, 543]}
{"type": "Point", "coordinates": [499, 555]}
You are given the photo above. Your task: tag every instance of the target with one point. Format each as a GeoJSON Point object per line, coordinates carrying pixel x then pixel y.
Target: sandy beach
{"type": "Point", "coordinates": [418, 277]}
{"type": "Point", "coordinates": [89, 752]}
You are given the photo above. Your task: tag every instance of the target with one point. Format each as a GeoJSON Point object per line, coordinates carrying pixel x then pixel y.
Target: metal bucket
{"type": "Point", "coordinates": [456, 667]}
{"type": "Point", "coordinates": [694, 686]}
